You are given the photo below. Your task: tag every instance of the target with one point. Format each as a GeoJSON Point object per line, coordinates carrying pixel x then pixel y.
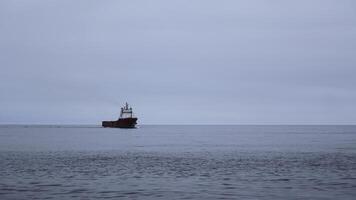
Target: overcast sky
{"type": "Point", "coordinates": [178, 62]}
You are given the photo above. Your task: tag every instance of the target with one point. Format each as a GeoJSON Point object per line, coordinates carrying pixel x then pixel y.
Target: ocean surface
{"type": "Point", "coordinates": [178, 162]}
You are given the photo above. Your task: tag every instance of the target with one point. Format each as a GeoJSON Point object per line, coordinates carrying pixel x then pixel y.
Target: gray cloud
{"type": "Point", "coordinates": [178, 61]}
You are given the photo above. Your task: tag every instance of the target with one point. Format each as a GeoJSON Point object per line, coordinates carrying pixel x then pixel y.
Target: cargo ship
{"type": "Point", "coordinates": [126, 119]}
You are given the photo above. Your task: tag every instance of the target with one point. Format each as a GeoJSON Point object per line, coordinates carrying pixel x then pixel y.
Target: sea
{"type": "Point", "coordinates": [178, 162]}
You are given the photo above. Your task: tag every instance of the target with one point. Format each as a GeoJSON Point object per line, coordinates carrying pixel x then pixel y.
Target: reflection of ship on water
{"type": "Point", "coordinates": [126, 119]}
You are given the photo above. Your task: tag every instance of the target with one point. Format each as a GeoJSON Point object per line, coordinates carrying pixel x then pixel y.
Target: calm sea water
{"type": "Point", "coordinates": [178, 162]}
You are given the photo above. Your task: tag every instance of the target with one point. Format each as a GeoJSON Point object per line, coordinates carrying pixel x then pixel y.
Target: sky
{"type": "Point", "coordinates": [178, 62]}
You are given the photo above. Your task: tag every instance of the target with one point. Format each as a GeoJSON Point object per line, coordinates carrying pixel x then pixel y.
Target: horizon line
{"type": "Point", "coordinates": [182, 124]}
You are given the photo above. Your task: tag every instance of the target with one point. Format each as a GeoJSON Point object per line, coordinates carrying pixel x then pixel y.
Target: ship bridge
{"type": "Point", "coordinates": [126, 112]}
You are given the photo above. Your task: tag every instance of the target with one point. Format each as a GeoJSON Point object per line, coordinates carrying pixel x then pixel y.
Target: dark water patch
{"type": "Point", "coordinates": [50, 185]}
{"type": "Point", "coordinates": [75, 191]}
{"type": "Point", "coordinates": [281, 179]}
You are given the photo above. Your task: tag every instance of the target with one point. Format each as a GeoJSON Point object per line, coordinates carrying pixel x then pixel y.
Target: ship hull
{"type": "Point", "coordinates": [121, 123]}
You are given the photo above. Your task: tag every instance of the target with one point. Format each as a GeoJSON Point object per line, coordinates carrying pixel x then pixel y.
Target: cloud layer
{"type": "Point", "coordinates": [178, 62]}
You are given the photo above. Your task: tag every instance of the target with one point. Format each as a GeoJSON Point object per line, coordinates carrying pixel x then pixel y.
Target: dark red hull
{"type": "Point", "coordinates": [121, 123]}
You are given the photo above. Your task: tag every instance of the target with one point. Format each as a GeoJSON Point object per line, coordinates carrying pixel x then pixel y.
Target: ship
{"type": "Point", "coordinates": [126, 119]}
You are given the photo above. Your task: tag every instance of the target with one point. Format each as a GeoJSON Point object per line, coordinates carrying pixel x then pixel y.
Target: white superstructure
{"type": "Point", "coordinates": [126, 112]}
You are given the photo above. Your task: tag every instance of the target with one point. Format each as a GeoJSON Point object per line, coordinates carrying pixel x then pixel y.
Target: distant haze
{"type": "Point", "coordinates": [178, 62]}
